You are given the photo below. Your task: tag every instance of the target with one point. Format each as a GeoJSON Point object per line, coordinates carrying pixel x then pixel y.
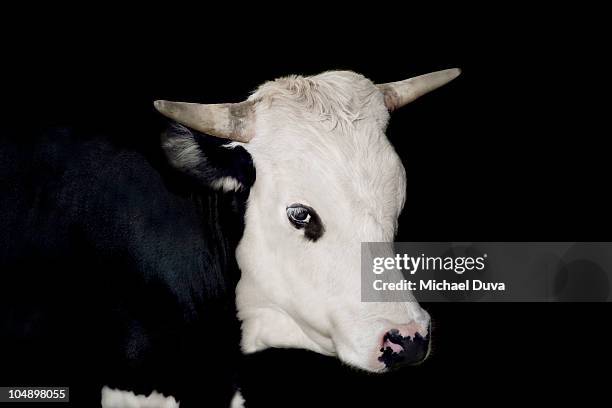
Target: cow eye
{"type": "Point", "coordinates": [303, 217]}
{"type": "Point", "coordinates": [299, 215]}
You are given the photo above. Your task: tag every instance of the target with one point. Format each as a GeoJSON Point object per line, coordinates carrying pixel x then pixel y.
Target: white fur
{"type": "Point", "coordinates": [112, 398]}
{"type": "Point", "coordinates": [226, 184]}
{"type": "Point", "coordinates": [237, 400]}
{"type": "Point", "coordinates": [319, 141]}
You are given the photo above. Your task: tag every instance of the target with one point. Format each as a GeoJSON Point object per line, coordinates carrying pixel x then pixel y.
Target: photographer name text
{"type": "Point", "coordinates": [436, 285]}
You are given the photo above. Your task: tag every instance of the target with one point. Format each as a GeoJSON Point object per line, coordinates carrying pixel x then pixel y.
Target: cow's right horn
{"type": "Point", "coordinates": [232, 121]}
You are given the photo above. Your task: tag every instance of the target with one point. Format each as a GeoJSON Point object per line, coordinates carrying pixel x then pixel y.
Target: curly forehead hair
{"type": "Point", "coordinates": [342, 97]}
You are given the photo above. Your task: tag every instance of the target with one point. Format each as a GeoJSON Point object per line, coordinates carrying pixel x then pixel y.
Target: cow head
{"type": "Point", "coordinates": [327, 180]}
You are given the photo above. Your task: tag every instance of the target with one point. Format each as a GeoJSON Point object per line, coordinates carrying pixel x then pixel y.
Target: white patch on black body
{"type": "Point", "coordinates": [226, 184]}
{"type": "Point", "coordinates": [112, 398]}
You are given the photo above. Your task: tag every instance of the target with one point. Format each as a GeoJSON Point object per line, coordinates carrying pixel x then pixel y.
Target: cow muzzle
{"type": "Point", "coordinates": [404, 345]}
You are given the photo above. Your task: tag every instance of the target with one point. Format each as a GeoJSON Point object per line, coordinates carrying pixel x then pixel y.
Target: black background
{"type": "Point", "coordinates": [513, 150]}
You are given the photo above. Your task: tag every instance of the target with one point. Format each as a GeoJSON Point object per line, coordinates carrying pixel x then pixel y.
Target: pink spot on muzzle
{"type": "Point", "coordinates": [411, 329]}
{"type": "Point", "coordinates": [396, 348]}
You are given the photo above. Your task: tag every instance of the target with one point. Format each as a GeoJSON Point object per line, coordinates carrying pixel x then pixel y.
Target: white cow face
{"type": "Point", "coordinates": [327, 180]}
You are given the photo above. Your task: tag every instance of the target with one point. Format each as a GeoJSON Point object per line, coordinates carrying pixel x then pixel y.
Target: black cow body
{"type": "Point", "coordinates": [116, 270]}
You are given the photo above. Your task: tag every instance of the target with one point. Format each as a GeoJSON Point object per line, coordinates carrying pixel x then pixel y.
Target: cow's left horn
{"type": "Point", "coordinates": [398, 94]}
{"type": "Point", "coordinates": [232, 121]}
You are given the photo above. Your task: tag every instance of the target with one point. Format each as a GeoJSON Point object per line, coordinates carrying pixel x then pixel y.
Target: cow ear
{"type": "Point", "coordinates": [217, 163]}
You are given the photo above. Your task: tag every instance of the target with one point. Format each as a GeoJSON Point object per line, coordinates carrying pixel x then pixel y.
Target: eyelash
{"type": "Point", "coordinates": [295, 210]}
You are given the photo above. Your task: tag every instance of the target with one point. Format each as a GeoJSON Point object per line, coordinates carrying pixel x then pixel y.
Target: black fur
{"type": "Point", "coordinates": [223, 162]}
{"type": "Point", "coordinates": [115, 270]}
{"type": "Point", "coordinates": [315, 228]}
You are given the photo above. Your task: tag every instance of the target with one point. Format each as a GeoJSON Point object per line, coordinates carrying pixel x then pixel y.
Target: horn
{"type": "Point", "coordinates": [232, 121]}
{"type": "Point", "coordinates": [400, 93]}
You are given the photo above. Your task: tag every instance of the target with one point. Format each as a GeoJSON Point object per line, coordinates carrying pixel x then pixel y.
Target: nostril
{"type": "Point", "coordinates": [398, 350]}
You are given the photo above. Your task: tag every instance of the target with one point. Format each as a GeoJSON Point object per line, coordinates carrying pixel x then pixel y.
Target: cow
{"type": "Point", "coordinates": [270, 197]}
